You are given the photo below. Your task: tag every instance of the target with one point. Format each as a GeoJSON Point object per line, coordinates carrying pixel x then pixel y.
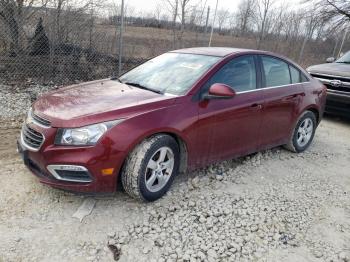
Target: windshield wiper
{"type": "Point", "coordinates": [343, 62]}
{"type": "Point", "coordinates": [143, 87]}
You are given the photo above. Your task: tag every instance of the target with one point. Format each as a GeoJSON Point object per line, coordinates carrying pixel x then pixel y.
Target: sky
{"type": "Point", "coordinates": [149, 5]}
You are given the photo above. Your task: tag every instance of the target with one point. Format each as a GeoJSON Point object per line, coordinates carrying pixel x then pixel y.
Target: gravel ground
{"type": "Point", "coordinates": [270, 206]}
{"type": "Point", "coordinates": [15, 102]}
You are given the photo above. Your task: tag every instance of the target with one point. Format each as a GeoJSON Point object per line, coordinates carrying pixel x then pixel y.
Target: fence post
{"type": "Point", "coordinates": [121, 38]}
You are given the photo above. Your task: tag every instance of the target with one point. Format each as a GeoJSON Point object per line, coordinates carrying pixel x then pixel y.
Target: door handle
{"type": "Point", "coordinates": [293, 97]}
{"type": "Point", "coordinates": [256, 106]}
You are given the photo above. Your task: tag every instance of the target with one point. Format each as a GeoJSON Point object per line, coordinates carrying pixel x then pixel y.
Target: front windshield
{"type": "Point", "coordinates": [172, 73]}
{"type": "Point", "coordinates": [344, 59]}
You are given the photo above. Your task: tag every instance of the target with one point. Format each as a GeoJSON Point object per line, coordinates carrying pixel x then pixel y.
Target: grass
{"type": "Point", "coordinates": [147, 42]}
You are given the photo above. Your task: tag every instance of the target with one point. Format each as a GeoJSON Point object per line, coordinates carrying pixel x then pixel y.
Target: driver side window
{"type": "Point", "coordinates": [239, 73]}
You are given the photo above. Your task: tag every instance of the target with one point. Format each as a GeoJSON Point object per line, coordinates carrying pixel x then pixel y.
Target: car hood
{"type": "Point", "coordinates": [96, 101]}
{"type": "Point", "coordinates": [336, 69]}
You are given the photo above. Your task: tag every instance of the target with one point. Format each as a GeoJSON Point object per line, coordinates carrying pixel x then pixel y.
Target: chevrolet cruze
{"type": "Point", "coordinates": [179, 111]}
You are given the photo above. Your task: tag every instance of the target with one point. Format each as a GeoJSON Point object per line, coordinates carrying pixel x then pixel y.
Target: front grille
{"type": "Point", "coordinates": [338, 88]}
{"type": "Point", "coordinates": [31, 137]}
{"type": "Point", "coordinates": [343, 79]}
{"type": "Point", "coordinates": [41, 120]}
{"type": "Point", "coordinates": [332, 82]}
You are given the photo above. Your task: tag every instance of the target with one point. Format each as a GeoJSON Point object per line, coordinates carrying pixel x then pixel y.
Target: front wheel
{"type": "Point", "coordinates": [151, 167]}
{"type": "Point", "coordinates": [303, 133]}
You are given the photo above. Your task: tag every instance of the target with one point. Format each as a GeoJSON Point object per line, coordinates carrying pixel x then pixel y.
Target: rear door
{"type": "Point", "coordinates": [230, 127]}
{"type": "Point", "coordinates": [283, 93]}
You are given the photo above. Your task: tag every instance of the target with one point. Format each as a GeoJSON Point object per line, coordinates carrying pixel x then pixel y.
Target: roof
{"type": "Point", "coordinates": [213, 51]}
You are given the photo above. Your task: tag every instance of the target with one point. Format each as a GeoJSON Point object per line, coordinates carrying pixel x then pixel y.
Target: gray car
{"type": "Point", "coordinates": [336, 76]}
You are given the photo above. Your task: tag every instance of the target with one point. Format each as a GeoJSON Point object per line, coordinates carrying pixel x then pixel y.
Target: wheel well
{"type": "Point", "coordinates": [316, 113]}
{"type": "Point", "coordinates": [183, 151]}
{"type": "Point", "coordinates": [183, 154]}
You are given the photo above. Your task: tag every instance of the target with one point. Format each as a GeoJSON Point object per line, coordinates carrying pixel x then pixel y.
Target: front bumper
{"type": "Point", "coordinates": [338, 102]}
{"type": "Point", "coordinates": [94, 159]}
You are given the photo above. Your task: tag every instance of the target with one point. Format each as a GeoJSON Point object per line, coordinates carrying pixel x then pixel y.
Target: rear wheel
{"type": "Point", "coordinates": [151, 167]}
{"type": "Point", "coordinates": [303, 133]}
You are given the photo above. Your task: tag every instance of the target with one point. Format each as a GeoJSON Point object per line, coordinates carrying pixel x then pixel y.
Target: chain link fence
{"type": "Point", "coordinates": [63, 41]}
{"type": "Point", "coordinates": [59, 43]}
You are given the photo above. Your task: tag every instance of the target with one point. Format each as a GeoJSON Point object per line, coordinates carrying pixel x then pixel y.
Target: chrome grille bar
{"type": "Point", "coordinates": [40, 121]}
{"type": "Point", "coordinates": [31, 139]}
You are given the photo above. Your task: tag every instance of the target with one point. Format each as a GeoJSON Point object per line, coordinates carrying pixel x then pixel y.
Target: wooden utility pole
{"type": "Point", "coordinates": [335, 47]}
{"type": "Point", "coordinates": [212, 26]}
{"type": "Point", "coordinates": [342, 43]}
{"type": "Point", "coordinates": [206, 27]}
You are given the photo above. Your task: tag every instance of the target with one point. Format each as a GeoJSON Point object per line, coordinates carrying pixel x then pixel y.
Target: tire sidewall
{"type": "Point", "coordinates": [306, 115]}
{"type": "Point", "coordinates": [163, 141]}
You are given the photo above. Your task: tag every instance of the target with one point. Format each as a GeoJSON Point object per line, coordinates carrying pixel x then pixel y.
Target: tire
{"type": "Point", "coordinates": [144, 165]}
{"type": "Point", "coordinates": [296, 143]}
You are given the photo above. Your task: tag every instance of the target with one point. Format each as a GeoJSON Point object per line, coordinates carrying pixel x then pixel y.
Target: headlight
{"type": "Point", "coordinates": [87, 135]}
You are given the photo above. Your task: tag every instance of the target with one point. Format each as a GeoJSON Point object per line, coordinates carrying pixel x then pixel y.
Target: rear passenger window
{"type": "Point", "coordinates": [304, 78]}
{"type": "Point", "coordinates": [276, 72]}
{"type": "Point", "coordinates": [295, 75]}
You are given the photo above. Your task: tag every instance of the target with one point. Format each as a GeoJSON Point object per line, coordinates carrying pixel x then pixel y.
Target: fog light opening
{"type": "Point", "coordinates": [71, 173]}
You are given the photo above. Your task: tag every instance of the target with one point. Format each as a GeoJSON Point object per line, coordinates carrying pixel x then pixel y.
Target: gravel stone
{"type": "Point", "coordinates": [15, 101]}
{"type": "Point", "coordinates": [255, 208]}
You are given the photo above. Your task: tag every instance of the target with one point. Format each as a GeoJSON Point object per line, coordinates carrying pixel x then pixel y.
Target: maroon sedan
{"type": "Point", "coordinates": [179, 111]}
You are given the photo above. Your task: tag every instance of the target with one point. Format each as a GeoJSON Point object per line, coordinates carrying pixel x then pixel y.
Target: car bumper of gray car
{"type": "Point", "coordinates": [338, 102]}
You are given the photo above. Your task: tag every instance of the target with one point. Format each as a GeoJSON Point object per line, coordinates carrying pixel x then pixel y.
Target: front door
{"type": "Point", "coordinates": [230, 127]}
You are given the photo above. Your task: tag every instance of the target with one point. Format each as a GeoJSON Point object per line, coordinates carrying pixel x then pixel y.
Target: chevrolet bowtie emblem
{"type": "Point", "coordinates": [335, 83]}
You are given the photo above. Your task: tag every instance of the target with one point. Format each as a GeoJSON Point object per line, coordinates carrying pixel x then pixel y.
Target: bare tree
{"type": "Point", "coordinates": [158, 12]}
{"type": "Point", "coordinates": [233, 23]}
{"type": "Point", "coordinates": [277, 25]}
{"type": "Point", "coordinates": [293, 25]}
{"type": "Point", "coordinates": [312, 21]}
{"type": "Point", "coordinates": [222, 16]}
{"type": "Point", "coordinates": [178, 9]}
{"type": "Point", "coordinates": [165, 17]}
{"type": "Point", "coordinates": [184, 6]}
{"type": "Point", "coordinates": [70, 18]}
{"type": "Point", "coordinates": [245, 15]}
{"type": "Point", "coordinates": [60, 4]}
{"type": "Point", "coordinates": [173, 6]}
{"type": "Point", "coordinates": [13, 14]}
{"type": "Point", "coordinates": [263, 9]}
{"type": "Point", "coordinates": [129, 11]}
{"type": "Point", "coordinates": [337, 10]}
{"type": "Point", "coordinates": [198, 17]}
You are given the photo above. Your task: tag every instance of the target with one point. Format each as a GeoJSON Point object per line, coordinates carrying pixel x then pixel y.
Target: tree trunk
{"type": "Point", "coordinates": [174, 24]}
{"type": "Point", "coordinates": [183, 12]}
{"type": "Point", "coordinates": [261, 35]}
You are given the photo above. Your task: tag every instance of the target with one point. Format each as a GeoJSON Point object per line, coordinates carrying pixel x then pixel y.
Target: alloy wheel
{"type": "Point", "coordinates": [305, 131]}
{"type": "Point", "coordinates": [159, 169]}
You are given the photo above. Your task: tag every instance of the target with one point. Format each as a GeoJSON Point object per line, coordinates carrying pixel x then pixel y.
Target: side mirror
{"type": "Point", "coordinates": [219, 91]}
{"type": "Point", "coordinates": [330, 59]}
